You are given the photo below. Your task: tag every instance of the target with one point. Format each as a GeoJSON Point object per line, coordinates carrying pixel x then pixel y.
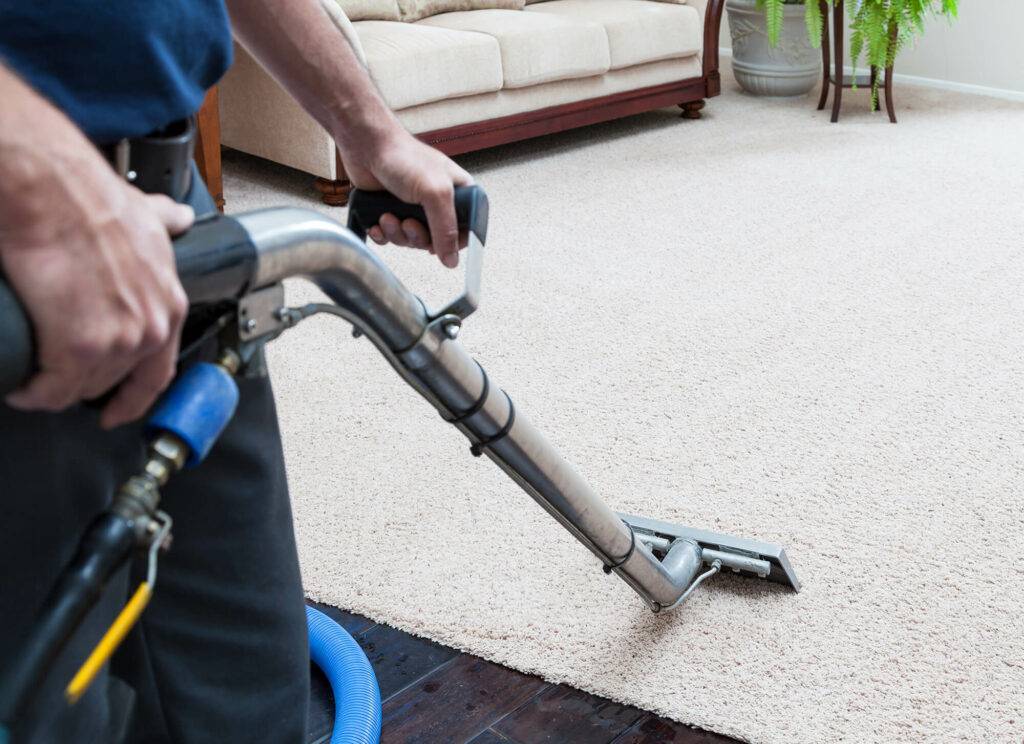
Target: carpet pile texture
{"type": "Point", "coordinates": [758, 323]}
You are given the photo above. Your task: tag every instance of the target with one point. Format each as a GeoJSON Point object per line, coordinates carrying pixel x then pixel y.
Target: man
{"type": "Point", "coordinates": [220, 654]}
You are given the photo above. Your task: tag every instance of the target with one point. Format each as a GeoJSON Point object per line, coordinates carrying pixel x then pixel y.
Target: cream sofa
{"type": "Point", "coordinates": [467, 80]}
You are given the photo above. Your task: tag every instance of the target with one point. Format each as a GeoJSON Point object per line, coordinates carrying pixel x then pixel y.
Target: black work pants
{"type": "Point", "coordinates": [221, 654]}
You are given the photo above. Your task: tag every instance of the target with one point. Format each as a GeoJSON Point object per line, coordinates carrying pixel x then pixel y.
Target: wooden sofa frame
{"type": "Point", "coordinates": [688, 94]}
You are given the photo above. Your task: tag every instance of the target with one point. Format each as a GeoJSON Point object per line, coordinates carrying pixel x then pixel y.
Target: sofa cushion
{"type": "Point", "coordinates": [535, 47]}
{"type": "Point", "coordinates": [413, 64]}
{"type": "Point", "coordinates": [370, 10]}
{"type": "Point", "coordinates": [674, 2]}
{"type": "Point", "coordinates": [639, 31]}
{"type": "Point", "coordinates": [413, 10]}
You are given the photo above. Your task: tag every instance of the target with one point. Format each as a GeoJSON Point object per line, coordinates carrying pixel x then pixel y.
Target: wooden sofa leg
{"type": "Point", "coordinates": [691, 109]}
{"type": "Point", "coordinates": [334, 193]}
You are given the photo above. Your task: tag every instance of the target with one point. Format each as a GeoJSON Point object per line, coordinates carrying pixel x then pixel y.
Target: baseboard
{"type": "Point", "coordinates": [925, 82]}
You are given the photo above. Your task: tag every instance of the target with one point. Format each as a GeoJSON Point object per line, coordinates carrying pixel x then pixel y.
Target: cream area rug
{"type": "Point", "coordinates": [758, 323]}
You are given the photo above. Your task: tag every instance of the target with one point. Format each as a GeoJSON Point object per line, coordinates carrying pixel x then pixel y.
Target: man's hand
{"type": "Point", "coordinates": [90, 258]}
{"type": "Point", "coordinates": [105, 303]}
{"type": "Point", "coordinates": [416, 173]}
{"type": "Point", "coordinates": [300, 46]}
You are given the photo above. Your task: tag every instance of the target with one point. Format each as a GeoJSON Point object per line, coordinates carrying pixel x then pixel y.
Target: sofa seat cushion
{"type": "Point", "coordinates": [535, 47]}
{"type": "Point", "coordinates": [639, 31]}
{"type": "Point", "coordinates": [370, 10]}
{"type": "Point", "coordinates": [413, 64]}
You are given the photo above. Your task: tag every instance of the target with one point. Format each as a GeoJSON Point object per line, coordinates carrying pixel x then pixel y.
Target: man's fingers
{"type": "Point", "coordinates": [138, 392]}
{"type": "Point", "coordinates": [392, 229]}
{"type": "Point", "coordinates": [458, 175]}
{"type": "Point", "coordinates": [152, 376]}
{"type": "Point", "coordinates": [377, 235]}
{"type": "Point", "coordinates": [461, 178]}
{"type": "Point", "coordinates": [49, 390]}
{"type": "Point", "coordinates": [439, 205]}
{"type": "Point", "coordinates": [416, 233]}
{"type": "Point", "coordinates": [102, 381]}
{"type": "Point", "coordinates": [177, 218]}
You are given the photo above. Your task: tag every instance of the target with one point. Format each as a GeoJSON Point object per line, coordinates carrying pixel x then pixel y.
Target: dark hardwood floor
{"type": "Point", "coordinates": [433, 694]}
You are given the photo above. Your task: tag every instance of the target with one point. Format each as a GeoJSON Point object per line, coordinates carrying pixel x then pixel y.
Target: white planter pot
{"type": "Point", "coordinates": [790, 69]}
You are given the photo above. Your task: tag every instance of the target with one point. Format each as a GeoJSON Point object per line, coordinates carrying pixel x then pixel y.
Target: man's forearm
{"type": "Point", "coordinates": [42, 156]}
{"type": "Point", "coordinates": [296, 41]}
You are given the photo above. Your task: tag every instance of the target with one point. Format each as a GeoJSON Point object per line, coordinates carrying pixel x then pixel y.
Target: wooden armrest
{"type": "Point", "coordinates": [208, 146]}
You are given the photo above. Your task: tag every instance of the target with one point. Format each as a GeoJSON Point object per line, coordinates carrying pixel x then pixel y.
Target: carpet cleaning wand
{"type": "Point", "coordinates": [661, 561]}
{"type": "Point", "coordinates": [244, 259]}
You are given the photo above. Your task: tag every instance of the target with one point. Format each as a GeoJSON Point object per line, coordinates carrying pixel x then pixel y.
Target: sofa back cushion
{"type": "Point", "coordinates": [414, 64]}
{"type": "Point", "coordinates": [638, 31]}
{"type": "Point", "coordinates": [536, 48]}
{"type": "Point", "coordinates": [371, 10]}
{"type": "Point", "coordinates": [674, 2]}
{"type": "Point", "coordinates": [414, 10]}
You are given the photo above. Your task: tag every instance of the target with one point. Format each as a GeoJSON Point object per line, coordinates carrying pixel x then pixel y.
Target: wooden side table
{"type": "Point", "coordinates": [208, 146]}
{"type": "Point", "coordinates": [834, 77]}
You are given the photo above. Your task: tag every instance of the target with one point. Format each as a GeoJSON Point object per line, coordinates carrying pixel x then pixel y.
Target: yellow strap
{"type": "Point", "coordinates": [109, 643]}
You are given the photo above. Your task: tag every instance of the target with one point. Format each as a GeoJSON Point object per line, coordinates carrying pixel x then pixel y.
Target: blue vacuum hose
{"type": "Point", "coordinates": [356, 694]}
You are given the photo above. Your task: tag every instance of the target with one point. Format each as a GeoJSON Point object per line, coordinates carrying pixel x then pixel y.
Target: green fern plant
{"type": "Point", "coordinates": [879, 29]}
{"type": "Point", "coordinates": [773, 14]}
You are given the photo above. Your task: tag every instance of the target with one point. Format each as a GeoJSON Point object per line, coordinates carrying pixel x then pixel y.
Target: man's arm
{"type": "Point", "coordinates": [90, 258]}
{"type": "Point", "coordinates": [298, 44]}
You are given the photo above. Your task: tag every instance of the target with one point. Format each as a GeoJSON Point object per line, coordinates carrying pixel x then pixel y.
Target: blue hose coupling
{"type": "Point", "coordinates": [196, 409]}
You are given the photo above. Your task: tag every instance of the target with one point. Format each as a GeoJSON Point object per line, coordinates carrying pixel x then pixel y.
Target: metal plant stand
{"type": "Point", "coordinates": [834, 77]}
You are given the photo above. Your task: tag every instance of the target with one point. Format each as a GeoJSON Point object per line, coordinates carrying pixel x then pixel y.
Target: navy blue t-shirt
{"type": "Point", "coordinates": [117, 68]}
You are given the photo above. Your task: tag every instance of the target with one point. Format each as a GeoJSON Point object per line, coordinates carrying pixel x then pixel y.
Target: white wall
{"type": "Point", "coordinates": [983, 47]}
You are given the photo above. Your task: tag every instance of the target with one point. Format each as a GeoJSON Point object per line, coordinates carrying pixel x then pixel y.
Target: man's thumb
{"type": "Point", "coordinates": [177, 218]}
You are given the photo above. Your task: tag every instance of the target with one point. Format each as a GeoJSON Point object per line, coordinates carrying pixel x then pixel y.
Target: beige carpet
{"type": "Point", "coordinates": [757, 323]}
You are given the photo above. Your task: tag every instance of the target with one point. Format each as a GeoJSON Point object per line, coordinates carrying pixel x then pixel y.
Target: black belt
{"type": "Point", "coordinates": [160, 162]}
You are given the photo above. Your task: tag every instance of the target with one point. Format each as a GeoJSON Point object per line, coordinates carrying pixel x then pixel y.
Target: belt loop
{"type": "Point", "coordinates": [122, 159]}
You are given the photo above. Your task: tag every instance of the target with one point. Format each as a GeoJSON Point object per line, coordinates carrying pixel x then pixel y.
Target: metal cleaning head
{"type": "Point", "coordinates": [745, 557]}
